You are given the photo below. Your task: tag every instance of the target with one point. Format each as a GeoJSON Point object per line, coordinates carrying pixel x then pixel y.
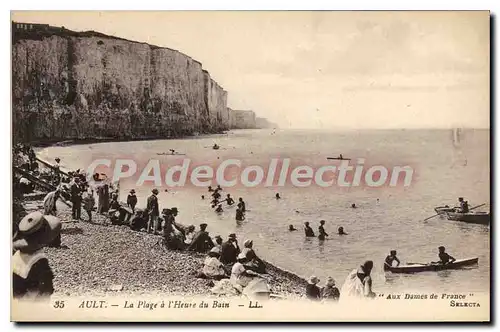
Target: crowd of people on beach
{"type": "Point", "coordinates": [235, 270]}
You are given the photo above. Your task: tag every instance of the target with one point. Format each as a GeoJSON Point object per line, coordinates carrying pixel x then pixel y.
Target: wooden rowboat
{"type": "Point", "coordinates": [482, 218]}
{"type": "Point", "coordinates": [337, 158]}
{"type": "Point", "coordinates": [433, 267]}
{"type": "Point", "coordinates": [171, 154]}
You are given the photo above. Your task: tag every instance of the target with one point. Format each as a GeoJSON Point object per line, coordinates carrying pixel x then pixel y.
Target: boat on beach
{"type": "Point", "coordinates": [413, 268]}
{"type": "Point", "coordinates": [482, 218]}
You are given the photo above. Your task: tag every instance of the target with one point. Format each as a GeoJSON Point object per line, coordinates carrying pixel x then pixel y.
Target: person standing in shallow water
{"type": "Point", "coordinates": [242, 205]}
{"type": "Point", "coordinates": [389, 260]}
{"type": "Point", "coordinates": [321, 229]}
{"type": "Point", "coordinates": [240, 216]}
{"type": "Point", "coordinates": [229, 200]}
{"type": "Point", "coordinates": [308, 230]}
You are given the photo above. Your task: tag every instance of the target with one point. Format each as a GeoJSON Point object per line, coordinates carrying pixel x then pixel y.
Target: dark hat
{"type": "Point", "coordinates": [218, 237]}
{"type": "Point", "coordinates": [441, 248]}
{"type": "Point", "coordinates": [165, 211]}
{"type": "Point", "coordinates": [155, 191]}
{"type": "Point", "coordinates": [174, 209]}
{"type": "Point", "coordinates": [132, 191]}
{"type": "Point", "coordinates": [36, 231]}
{"type": "Point", "coordinates": [232, 236]}
{"type": "Point", "coordinates": [57, 159]}
{"type": "Point", "coordinates": [203, 226]}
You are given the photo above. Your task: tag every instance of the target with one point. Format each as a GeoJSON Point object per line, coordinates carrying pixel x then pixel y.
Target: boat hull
{"type": "Point", "coordinates": [473, 218]}
{"type": "Point", "coordinates": [459, 263]}
{"type": "Point", "coordinates": [443, 209]}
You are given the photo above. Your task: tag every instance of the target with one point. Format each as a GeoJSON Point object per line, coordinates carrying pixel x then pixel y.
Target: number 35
{"type": "Point", "coordinates": [59, 304]}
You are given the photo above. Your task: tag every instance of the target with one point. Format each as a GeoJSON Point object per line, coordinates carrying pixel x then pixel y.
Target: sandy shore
{"type": "Point", "coordinates": [100, 259]}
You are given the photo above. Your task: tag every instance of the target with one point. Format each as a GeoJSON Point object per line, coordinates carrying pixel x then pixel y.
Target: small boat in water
{"type": "Point", "coordinates": [340, 157]}
{"type": "Point", "coordinates": [171, 154]}
{"type": "Point", "coordinates": [482, 218]}
{"type": "Point", "coordinates": [433, 267]}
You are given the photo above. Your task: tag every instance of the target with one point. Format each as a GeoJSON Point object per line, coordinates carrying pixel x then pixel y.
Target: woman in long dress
{"type": "Point", "coordinates": [358, 284]}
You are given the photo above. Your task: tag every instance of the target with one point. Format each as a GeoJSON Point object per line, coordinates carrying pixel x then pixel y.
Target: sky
{"type": "Point", "coordinates": [323, 69]}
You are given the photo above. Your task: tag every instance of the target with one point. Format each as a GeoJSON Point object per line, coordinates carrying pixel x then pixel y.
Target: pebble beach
{"type": "Point", "coordinates": [100, 259]}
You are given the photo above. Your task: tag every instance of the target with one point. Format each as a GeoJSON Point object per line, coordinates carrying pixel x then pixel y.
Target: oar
{"type": "Point", "coordinates": [432, 216]}
{"type": "Point", "coordinates": [477, 206]}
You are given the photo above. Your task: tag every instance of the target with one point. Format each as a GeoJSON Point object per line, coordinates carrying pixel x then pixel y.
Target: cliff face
{"type": "Point", "coordinates": [239, 119]}
{"type": "Point", "coordinates": [216, 101]}
{"type": "Point", "coordinates": [262, 123]}
{"type": "Point", "coordinates": [70, 85]}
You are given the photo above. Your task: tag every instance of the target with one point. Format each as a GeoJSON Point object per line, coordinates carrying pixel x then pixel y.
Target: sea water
{"type": "Point", "coordinates": [386, 218]}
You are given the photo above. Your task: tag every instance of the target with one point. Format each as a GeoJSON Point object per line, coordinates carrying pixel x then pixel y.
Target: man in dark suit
{"type": "Point", "coordinates": [153, 211]}
{"type": "Point", "coordinates": [76, 198]}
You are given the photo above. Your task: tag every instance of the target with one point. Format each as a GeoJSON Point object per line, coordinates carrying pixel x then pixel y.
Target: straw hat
{"type": "Point", "coordinates": [242, 256]}
{"type": "Point", "coordinates": [314, 280]}
{"type": "Point", "coordinates": [36, 231]}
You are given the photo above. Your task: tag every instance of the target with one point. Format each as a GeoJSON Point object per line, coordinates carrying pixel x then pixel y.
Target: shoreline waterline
{"type": "Point", "coordinates": [393, 223]}
{"type": "Point", "coordinates": [83, 243]}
